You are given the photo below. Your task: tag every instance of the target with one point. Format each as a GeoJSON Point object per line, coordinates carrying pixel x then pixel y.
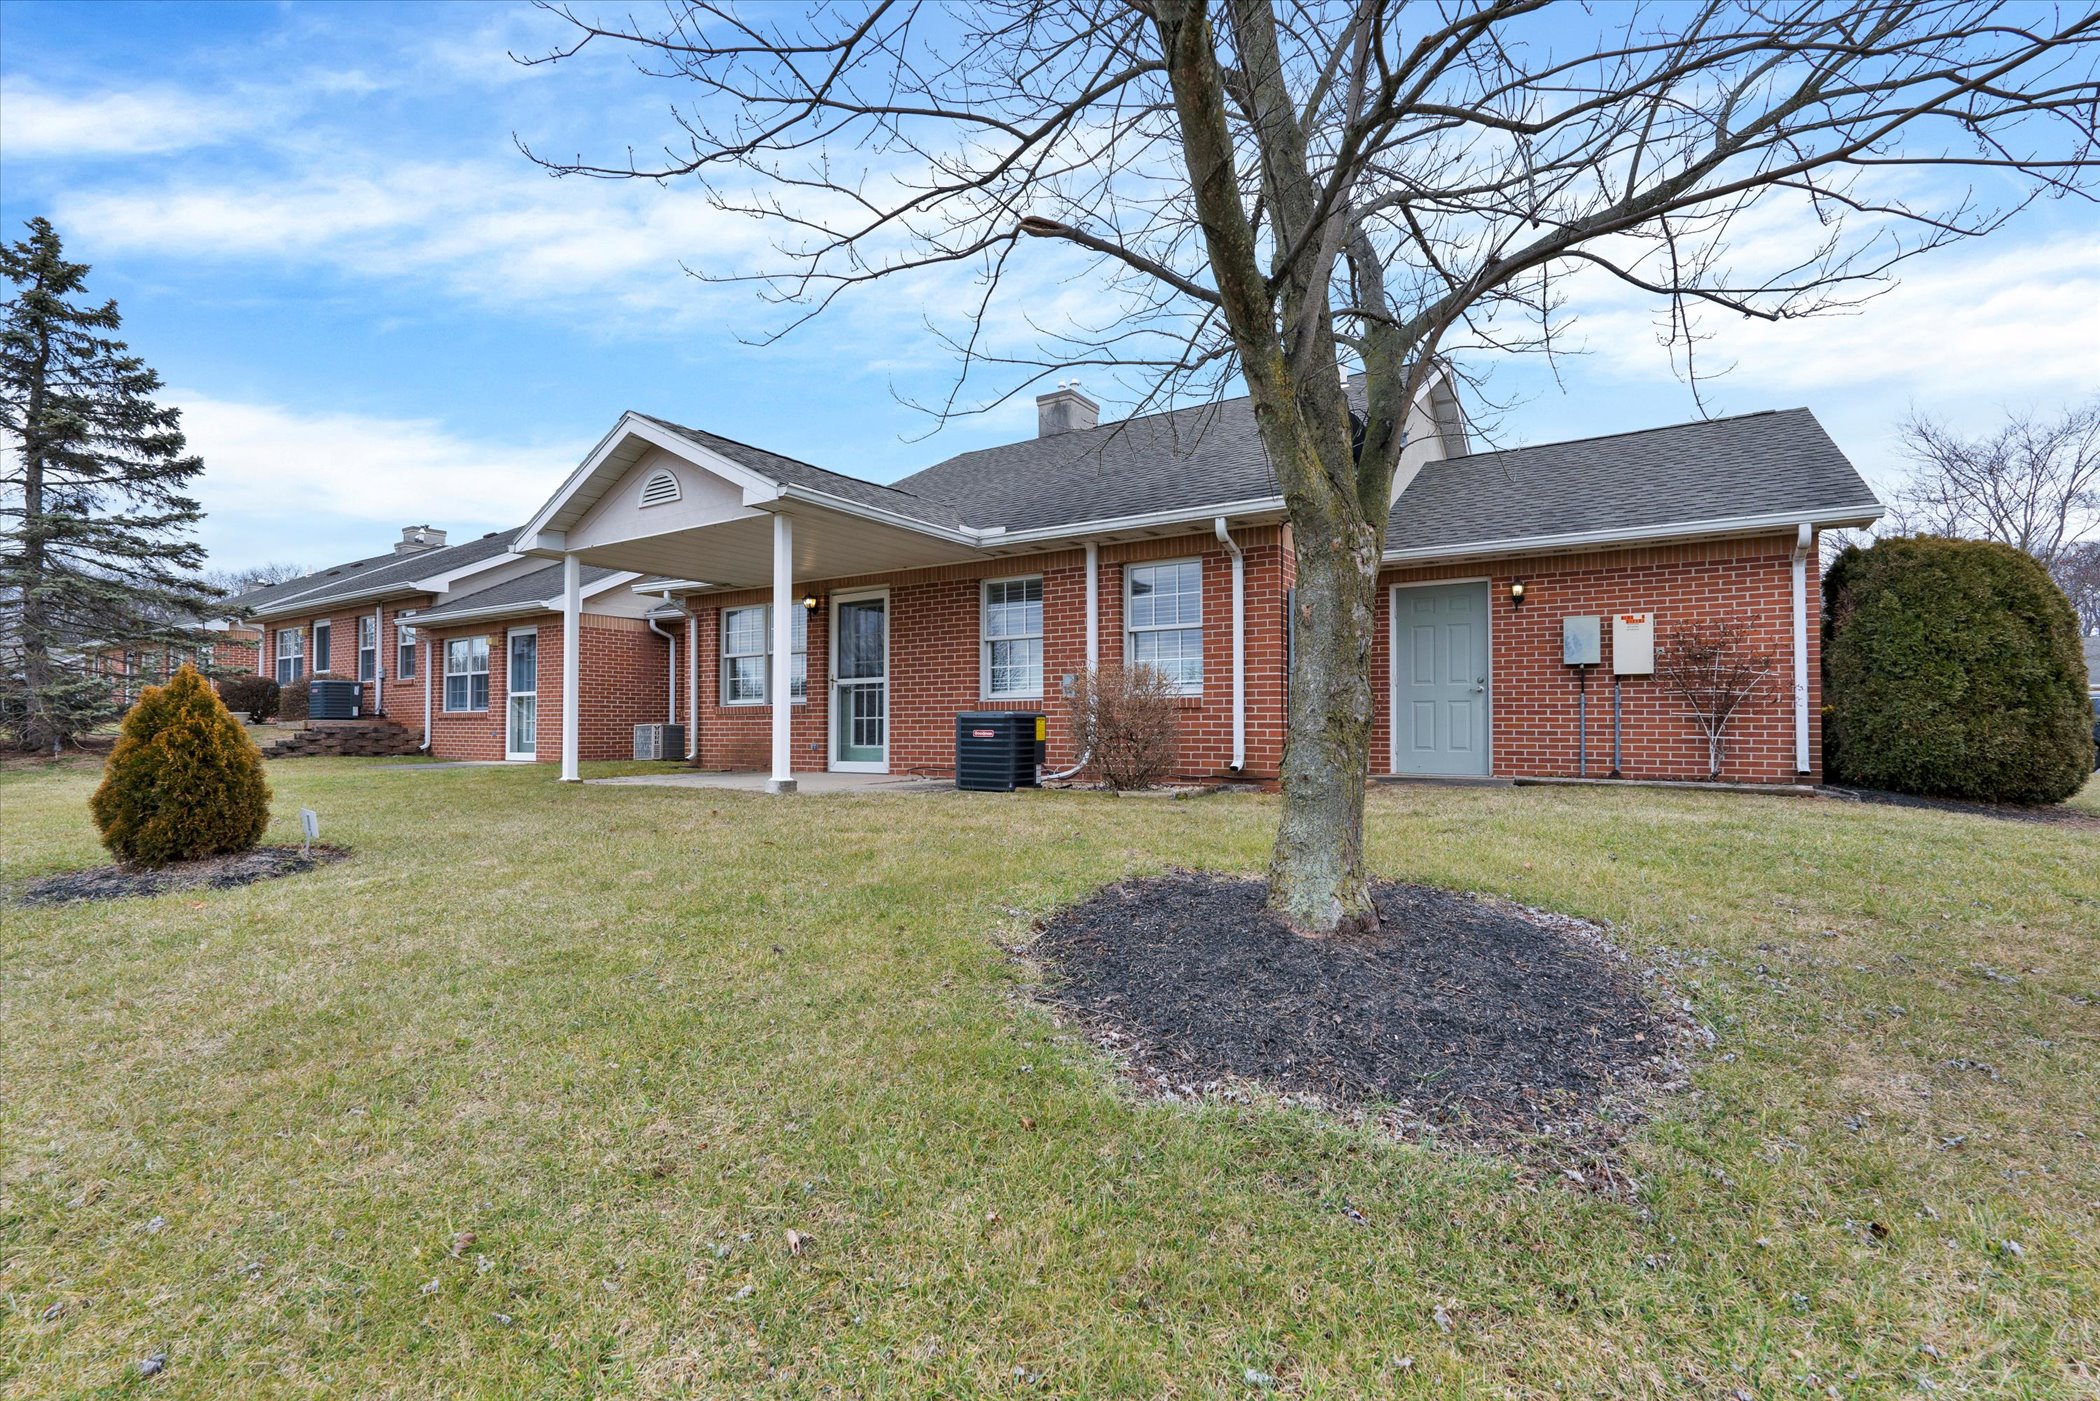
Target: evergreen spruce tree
{"type": "Point", "coordinates": [95, 547]}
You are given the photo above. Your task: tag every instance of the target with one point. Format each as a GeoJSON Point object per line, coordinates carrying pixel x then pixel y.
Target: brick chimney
{"type": "Point", "coordinates": [417, 538]}
{"type": "Point", "coordinates": [1064, 410]}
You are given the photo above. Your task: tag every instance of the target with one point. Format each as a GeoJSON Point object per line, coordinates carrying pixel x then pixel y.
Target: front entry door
{"type": "Point", "coordinates": [860, 683]}
{"type": "Point", "coordinates": [1440, 679]}
{"type": "Point", "coordinates": [522, 729]}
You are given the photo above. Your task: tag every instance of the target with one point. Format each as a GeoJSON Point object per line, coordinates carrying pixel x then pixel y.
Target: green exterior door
{"type": "Point", "coordinates": [860, 683]}
{"type": "Point", "coordinates": [1440, 680]}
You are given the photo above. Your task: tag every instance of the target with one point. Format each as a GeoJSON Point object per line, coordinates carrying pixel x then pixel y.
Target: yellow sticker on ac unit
{"type": "Point", "coordinates": [1042, 729]}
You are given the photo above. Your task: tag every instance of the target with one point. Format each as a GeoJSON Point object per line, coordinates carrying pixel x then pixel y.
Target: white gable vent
{"type": "Point", "coordinates": [661, 489]}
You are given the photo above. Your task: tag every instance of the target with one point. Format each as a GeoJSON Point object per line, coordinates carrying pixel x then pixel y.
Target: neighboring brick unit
{"type": "Point", "coordinates": [1533, 696]}
{"type": "Point", "coordinates": [936, 667]}
{"type": "Point", "coordinates": [379, 696]}
{"type": "Point", "coordinates": [622, 685]}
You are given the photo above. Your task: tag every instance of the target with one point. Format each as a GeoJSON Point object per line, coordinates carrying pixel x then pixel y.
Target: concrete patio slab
{"type": "Point", "coordinates": [805, 782]}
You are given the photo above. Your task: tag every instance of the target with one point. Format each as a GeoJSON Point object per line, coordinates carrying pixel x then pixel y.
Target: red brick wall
{"type": "Point", "coordinates": [342, 654]}
{"type": "Point", "coordinates": [936, 671]}
{"type": "Point", "coordinates": [622, 686]}
{"type": "Point", "coordinates": [1533, 696]}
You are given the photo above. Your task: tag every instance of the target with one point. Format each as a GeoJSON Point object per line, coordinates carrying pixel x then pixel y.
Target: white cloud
{"type": "Point", "coordinates": [37, 123]}
{"type": "Point", "coordinates": [317, 487]}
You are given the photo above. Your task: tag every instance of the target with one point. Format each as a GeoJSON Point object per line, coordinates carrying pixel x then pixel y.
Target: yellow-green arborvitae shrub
{"type": "Point", "coordinates": [184, 781]}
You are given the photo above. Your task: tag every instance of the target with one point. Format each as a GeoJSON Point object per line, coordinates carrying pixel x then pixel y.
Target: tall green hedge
{"type": "Point", "coordinates": [1953, 668]}
{"type": "Point", "coordinates": [184, 780]}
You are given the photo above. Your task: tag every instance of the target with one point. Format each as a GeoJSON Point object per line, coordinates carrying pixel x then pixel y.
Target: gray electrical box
{"type": "Point", "coordinates": [1581, 641]}
{"type": "Point", "coordinates": [1633, 644]}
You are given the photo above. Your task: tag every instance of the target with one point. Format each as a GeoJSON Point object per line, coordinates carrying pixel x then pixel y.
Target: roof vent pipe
{"type": "Point", "coordinates": [1065, 410]}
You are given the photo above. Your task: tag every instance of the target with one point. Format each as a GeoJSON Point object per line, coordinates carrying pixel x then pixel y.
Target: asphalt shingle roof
{"type": "Point", "coordinates": [376, 572]}
{"type": "Point", "coordinates": [794, 472]}
{"type": "Point", "coordinates": [528, 592]}
{"type": "Point", "coordinates": [1761, 464]}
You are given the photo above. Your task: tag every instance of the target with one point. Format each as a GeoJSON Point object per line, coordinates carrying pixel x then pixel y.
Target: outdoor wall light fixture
{"type": "Point", "coordinates": [1516, 593]}
{"type": "Point", "coordinates": [809, 601]}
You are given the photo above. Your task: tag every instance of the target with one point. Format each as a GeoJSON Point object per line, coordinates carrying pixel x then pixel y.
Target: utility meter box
{"type": "Point", "coordinates": [1581, 641]}
{"type": "Point", "coordinates": [1633, 644]}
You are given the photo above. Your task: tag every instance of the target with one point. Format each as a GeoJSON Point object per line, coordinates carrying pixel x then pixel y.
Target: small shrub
{"type": "Point", "coordinates": [254, 696]}
{"type": "Point", "coordinates": [1710, 667]}
{"type": "Point", "coordinates": [1953, 668]}
{"type": "Point", "coordinates": [184, 780]}
{"type": "Point", "coordinates": [1124, 718]}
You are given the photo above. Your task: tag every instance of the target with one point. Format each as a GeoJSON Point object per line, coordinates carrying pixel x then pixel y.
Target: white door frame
{"type": "Point", "coordinates": [836, 712]}
{"type": "Point", "coordinates": [1392, 667]}
{"type": "Point", "coordinates": [510, 693]}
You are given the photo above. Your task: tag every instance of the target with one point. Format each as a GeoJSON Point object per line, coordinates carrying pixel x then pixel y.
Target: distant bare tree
{"type": "Point", "coordinates": [1713, 671]}
{"type": "Point", "coordinates": [2034, 484]}
{"type": "Point", "coordinates": [254, 576]}
{"type": "Point", "coordinates": [2077, 572]}
{"type": "Point", "coordinates": [1258, 192]}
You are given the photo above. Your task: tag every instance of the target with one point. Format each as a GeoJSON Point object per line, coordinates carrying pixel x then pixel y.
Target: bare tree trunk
{"type": "Point", "coordinates": [1317, 880]}
{"type": "Point", "coordinates": [40, 728]}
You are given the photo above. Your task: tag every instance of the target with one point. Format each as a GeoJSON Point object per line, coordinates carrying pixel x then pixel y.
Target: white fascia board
{"type": "Point", "coordinates": [1200, 516]}
{"type": "Point", "coordinates": [954, 535]}
{"type": "Point", "coordinates": [416, 617]}
{"type": "Point", "coordinates": [442, 583]}
{"type": "Point", "coordinates": [1864, 513]}
{"type": "Point", "coordinates": [671, 585]}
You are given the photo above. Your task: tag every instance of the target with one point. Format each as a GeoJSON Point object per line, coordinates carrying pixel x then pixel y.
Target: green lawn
{"type": "Point", "coordinates": [629, 1038]}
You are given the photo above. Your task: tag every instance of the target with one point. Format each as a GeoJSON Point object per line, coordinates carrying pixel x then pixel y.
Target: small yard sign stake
{"type": "Point", "coordinates": [310, 824]}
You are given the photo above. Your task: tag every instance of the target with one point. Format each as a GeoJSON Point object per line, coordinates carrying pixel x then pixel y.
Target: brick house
{"type": "Point", "coordinates": [828, 622]}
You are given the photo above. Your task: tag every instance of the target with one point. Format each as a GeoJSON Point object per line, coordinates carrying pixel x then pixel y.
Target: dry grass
{"type": "Point", "coordinates": [627, 1039]}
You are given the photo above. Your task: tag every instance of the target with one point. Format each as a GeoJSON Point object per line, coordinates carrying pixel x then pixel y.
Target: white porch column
{"type": "Point", "coordinates": [571, 654]}
{"type": "Point", "coordinates": [778, 684]}
{"type": "Point", "coordinates": [692, 682]}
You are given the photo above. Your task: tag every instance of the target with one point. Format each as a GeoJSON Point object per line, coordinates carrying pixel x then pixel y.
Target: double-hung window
{"type": "Point", "coordinates": [1163, 611]}
{"type": "Point", "coordinates": [324, 638]}
{"type": "Point", "coordinates": [291, 655]}
{"type": "Point", "coordinates": [467, 673]}
{"type": "Point", "coordinates": [747, 651]}
{"type": "Point", "coordinates": [1012, 638]}
{"type": "Point", "coordinates": [368, 648]}
{"type": "Point", "coordinates": [405, 646]}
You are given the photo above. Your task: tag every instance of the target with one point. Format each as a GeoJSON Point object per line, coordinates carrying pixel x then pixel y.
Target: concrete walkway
{"type": "Point", "coordinates": [805, 782]}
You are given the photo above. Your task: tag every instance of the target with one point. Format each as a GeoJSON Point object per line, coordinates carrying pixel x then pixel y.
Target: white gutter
{"type": "Point", "coordinates": [1239, 645]}
{"type": "Point", "coordinates": [1804, 539]}
{"type": "Point", "coordinates": [1093, 605]}
{"type": "Point", "coordinates": [1864, 513]}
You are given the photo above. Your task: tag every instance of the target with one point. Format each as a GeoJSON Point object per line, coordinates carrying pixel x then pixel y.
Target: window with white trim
{"type": "Point", "coordinates": [367, 648]}
{"type": "Point", "coordinates": [1011, 633]}
{"type": "Point", "coordinates": [324, 638]}
{"type": "Point", "coordinates": [405, 650]}
{"type": "Point", "coordinates": [467, 673]}
{"type": "Point", "coordinates": [291, 655]}
{"type": "Point", "coordinates": [747, 651]}
{"type": "Point", "coordinates": [1163, 617]}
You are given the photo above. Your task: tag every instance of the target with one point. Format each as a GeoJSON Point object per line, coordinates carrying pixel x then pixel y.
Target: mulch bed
{"type": "Point", "coordinates": [1461, 1017]}
{"type": "Point", "coordinates": [2057, 815]}
{"type": "Point", "coordinates": [122, 882]}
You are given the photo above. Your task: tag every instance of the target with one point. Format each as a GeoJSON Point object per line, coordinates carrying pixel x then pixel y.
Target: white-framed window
{"type": "Point", "coordinates": [368, 648]}
{"type": "Point", "coordinates": [747, 650]}
{"type": "Point", "coordinates": [1163, 616]}
{"type": "Point", "coordinates": [405, 649]}
{"type": "Point", "coordinates": [291, 655]}
{"type": "Point", "coordinates": [467, 673]}
{"type": "Point", "coordinates": [324, 644]}
{"type": "Point", "coordinates": [1011, 634]}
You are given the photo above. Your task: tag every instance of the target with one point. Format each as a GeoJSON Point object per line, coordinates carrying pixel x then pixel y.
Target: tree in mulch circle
{"type": "Point", "coordinates": [184, 780]}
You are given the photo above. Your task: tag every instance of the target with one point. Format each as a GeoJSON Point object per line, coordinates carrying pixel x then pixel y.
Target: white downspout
{"type": "Point", "coordinates": [571, 659]}
{"type": "Point", "coordinates": [429, 659]}
{"type": "Point", "coordinates": [378, 658]}
{"type": "Point", "coordinates": [1239, 647]}
{"type": "Point", "coordinates": [692, 684]}
{"type": "Point", "coordinates": [1803, 541]}
{"type": "Point", "coordinates": [670, 670]}
{"type": "Point", "coordinates": [1093, 606]}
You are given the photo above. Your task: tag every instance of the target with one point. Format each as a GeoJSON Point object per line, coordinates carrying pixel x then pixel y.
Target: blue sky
{"type": "Point", "coordinates": [375, 312]}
